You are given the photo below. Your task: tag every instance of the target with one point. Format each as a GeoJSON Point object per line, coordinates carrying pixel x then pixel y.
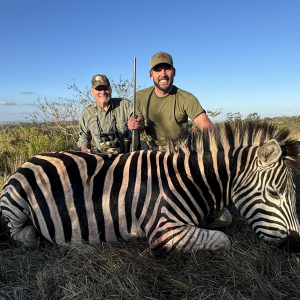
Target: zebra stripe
{"type": "Point", "coordinates": [74, 196]}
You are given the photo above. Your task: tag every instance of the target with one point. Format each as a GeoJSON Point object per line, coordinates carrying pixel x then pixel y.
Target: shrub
{"type": "Point", "coordinates": [19, 142]}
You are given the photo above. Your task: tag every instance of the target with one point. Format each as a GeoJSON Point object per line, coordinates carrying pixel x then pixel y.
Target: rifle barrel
{"type": "Point", "coordinates": [136, 145]}
{"type": "Point", "coordinates": [134, 85]}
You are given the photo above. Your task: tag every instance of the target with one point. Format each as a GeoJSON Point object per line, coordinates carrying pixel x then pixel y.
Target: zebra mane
{"type": "Point", "coordinates": [240, 134]}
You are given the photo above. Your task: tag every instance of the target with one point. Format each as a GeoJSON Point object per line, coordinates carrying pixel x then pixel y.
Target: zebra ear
{"type": "Point", "coordinates": [269, 152]}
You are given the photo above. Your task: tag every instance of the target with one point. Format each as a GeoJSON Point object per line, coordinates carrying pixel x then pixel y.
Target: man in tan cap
{"type": "Point", "coordinates": [164, 110]}
{"type": "Point", "coordinates": [105, 120]}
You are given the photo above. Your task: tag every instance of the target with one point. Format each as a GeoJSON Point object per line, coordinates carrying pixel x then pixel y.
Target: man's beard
{"type": "Point", "coordinates": [164, 89]}
{"type": "Point", "coordinates": [105, 101]}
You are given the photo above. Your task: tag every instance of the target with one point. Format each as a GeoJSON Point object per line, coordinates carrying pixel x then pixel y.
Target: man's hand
{"type": "Point", "coordinates": [136, 124]}
{"type": "Point", "coordinates": [86, 149]}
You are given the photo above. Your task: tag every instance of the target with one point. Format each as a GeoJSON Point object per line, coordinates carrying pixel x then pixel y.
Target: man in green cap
{"type": "Point", "coordinates": [163, 110]}
{"type": "Point", "coordinates": [105, 120]}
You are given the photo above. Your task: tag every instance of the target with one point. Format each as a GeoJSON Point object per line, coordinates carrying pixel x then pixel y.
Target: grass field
{"type": "Point", "coordinates": [250, 270]}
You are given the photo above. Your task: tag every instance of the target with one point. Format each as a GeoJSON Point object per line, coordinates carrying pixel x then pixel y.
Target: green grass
{"type": "Point", "coordinates": [19, 142]}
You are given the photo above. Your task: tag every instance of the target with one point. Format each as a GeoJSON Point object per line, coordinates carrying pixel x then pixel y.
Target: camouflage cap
{"type": "Point", "coordinates": [100, 80]}
{"type": "Point", "coordinates": [161, 58]}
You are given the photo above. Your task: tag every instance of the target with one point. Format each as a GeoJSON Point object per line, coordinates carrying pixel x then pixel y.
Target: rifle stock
{"type": "Point", "coordinates": [136, 145]}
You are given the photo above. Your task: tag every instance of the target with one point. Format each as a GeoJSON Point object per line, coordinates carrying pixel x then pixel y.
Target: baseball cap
{"type": "Point", "coordinates": [160, 58]}
{"type": "Point", "coordinates": [100, 80]}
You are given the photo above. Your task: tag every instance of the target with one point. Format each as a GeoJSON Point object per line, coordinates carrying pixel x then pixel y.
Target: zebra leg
{"type": "Point", "coordinates": [20, 228]}
{"type": "Point", "coordinates": [28, 236]}
{"type": "Point", "coordinates": [188, 238]}
{"type": "Point", "coordinates": [218, 219]}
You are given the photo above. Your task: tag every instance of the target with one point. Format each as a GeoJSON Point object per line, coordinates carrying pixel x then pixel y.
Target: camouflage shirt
{"type": "Point", "coordinates": [121, 109]}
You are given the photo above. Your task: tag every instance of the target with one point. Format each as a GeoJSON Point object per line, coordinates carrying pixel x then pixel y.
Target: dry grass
{"type": "Point", "coordinates": [293, 123]}
{"type": "Point", "coordinates": [250, 270]}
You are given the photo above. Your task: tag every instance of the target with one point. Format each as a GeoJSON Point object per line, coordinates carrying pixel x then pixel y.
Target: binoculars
{"type": "Point", "coordinates": [111, 144]}
{"type": "Point", "coordinates": [106, 137]}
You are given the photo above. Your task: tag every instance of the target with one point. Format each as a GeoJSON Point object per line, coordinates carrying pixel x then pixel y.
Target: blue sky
{"type": "Point", "coordinates": [234, 56]}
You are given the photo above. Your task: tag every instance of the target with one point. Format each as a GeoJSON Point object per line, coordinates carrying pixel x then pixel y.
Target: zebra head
{"type": "Point", "coordinates": [265, 195]}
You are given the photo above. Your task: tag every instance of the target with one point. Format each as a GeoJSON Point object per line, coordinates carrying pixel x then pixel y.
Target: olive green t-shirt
{"type": "Point", "coordinates": [166, 117]}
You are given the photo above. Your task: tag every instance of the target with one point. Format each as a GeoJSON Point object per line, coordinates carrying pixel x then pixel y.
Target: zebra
{"type": "Point", "coordinates": [75, 197]}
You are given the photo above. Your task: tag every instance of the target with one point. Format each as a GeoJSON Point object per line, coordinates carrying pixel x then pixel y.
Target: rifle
{"type": "Point", "coordinates": [136, 144]}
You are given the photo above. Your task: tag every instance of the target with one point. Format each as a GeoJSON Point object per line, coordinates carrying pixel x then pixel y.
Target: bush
{"type": "Point", "coordinates": [19, 142]}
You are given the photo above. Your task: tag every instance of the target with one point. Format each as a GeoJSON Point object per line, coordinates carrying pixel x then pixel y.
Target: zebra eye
{"type": "Point", "coordinates": [273, 193]}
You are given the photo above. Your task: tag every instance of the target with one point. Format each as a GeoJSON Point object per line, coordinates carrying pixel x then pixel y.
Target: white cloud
{"type": "Point", "coordinates": [27, 93]}
{"type": "Point", "coordinates": [7, 103]}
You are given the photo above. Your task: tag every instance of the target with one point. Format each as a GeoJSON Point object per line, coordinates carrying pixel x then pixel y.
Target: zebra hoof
{"type": "Point", "coordinates": [29, 237]}
{"type": "Point", "coordinates": [218, 219]}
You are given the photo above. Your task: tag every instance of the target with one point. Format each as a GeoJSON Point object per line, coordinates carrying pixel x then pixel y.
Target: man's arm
{"type": "Point", "coordinates": [202, 121]}
{"type": "Point", "coordinates": [85, 137]}
{"type": "Point", "coordinates": [196, 113]}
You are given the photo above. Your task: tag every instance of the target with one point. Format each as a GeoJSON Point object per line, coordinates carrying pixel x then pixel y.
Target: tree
{"type": "Point", "coordinates": [253, 116]}
{"type": "Point", "coordinates": [123, 88]}
{"type": "Point", "coordinates": [233, 117]}
{"type": "Point", "coordinates": [213, 114]}
{"type": "Point", "coordinates": [62, 112]}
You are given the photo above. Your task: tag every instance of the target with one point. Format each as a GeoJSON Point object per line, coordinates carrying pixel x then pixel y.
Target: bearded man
{"type": "Point", "coordinates": [163, 110]}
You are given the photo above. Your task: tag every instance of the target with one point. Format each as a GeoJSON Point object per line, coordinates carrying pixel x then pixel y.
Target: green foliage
{"type": "Point", "coordinates": [233, 116]}
{"type": "Point", "coordinates": [19, 142]}
{"type": "Point", "coordinates": [254, 117]}
{"type": "Point", "coordinates": [283, 127]}
{"type": "Point", "coordinates": [213, 114]}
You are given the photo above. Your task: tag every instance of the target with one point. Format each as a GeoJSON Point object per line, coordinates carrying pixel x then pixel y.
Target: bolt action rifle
{"type": "Point", "coordinates": [136, 144]}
